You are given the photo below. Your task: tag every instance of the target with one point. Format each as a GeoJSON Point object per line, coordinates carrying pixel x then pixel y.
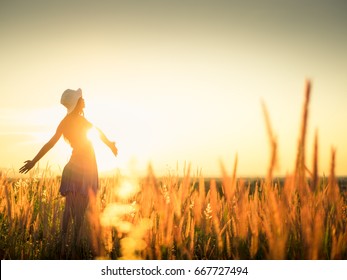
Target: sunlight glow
{"type": "Point", "coordinates": [105, 159]}
{"type": "Point", "coordinates": [93, 135]}
{"type": "Point", "coordinates": [127, 189]}
{"type": "Point", "coordinates": [114, 213]}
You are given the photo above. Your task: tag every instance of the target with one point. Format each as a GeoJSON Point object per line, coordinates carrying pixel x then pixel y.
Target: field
{"type": "Point", "coordinates": [184, 216]}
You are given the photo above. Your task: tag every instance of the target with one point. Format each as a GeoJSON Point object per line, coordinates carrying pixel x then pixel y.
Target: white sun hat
{"type": "Point", "coordinates": [70, 98]}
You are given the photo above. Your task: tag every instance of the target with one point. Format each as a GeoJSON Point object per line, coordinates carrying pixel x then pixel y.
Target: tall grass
{"type": "Point", "coordinates": [185, 216]}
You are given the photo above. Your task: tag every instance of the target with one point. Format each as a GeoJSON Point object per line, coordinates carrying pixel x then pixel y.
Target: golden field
{"type": "Point", "coordinates": [185, 216]}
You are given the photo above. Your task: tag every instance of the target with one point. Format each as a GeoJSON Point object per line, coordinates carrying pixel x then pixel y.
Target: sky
{"type": "Point", "coordinates": [176, 82]}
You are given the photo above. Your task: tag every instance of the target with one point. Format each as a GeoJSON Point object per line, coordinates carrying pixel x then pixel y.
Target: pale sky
{"type": "Point", "coordinates": [175, 81]}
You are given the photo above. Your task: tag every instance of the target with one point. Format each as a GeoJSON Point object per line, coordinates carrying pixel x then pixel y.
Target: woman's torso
{"type": "Point", "coordinates": [75, 131]}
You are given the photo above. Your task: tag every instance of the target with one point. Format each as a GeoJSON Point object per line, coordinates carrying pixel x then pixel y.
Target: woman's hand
{"type": "Point", "coordinates": [114, 148]}
{"type": "Point", "coordinates": [27, 166]}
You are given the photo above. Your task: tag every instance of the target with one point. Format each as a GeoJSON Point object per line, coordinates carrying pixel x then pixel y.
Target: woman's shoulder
{"type": "Point", "coordinates": [63, 123]}
{"type": "Point", "coordinates": [65, 120]}
{"type": "Point", "coordinates": [78, 120]}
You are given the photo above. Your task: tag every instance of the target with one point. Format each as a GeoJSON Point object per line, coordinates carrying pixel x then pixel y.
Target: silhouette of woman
{"type": "Point", "coordinates": [80, 175]}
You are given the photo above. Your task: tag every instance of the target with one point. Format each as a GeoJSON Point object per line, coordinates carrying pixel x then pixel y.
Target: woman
{"type": "Point", "coordinates": [80, 175]}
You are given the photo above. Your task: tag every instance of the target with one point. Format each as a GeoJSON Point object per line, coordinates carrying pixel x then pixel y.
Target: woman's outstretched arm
{"type": "Point", "coordinates": [110, 144]}
{"type": "Point", "coordinates": [29, 164]}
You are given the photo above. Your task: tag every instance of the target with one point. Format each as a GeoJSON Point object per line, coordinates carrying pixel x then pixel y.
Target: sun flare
{"type": "Point", "coordinates": [105, 159]}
